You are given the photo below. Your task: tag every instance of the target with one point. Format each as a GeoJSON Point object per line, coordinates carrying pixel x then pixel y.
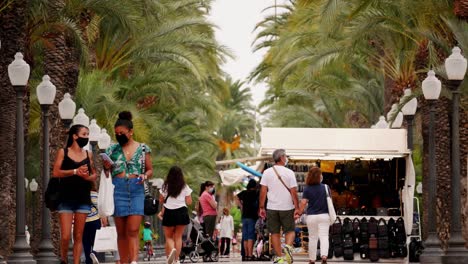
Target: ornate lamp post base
{"type": "Point", "coordinates": [46, 253]}
{"type": "Point", "coordinates": [456, 253]}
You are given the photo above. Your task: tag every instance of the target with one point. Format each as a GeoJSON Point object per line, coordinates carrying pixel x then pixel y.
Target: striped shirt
{"type": "Point", "coordinates": [93, 216]}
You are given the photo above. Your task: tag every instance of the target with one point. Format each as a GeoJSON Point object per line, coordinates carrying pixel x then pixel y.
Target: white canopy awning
{"type": "Point", "coordinates": [233, 176]}
{"type": "Point", "coordinates": [335, 143]}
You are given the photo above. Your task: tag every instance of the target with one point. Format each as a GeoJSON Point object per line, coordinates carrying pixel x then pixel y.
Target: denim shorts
{"type": "Point", "coordinates": [129, 197]}
{"type": "Point", "coordinates": [74, 207]}
{"type": "Point", "coordinates": [248, 228]}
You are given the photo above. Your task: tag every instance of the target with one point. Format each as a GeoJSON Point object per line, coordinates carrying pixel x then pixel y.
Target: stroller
{"type": "Point", "coordinates": [197, 245]}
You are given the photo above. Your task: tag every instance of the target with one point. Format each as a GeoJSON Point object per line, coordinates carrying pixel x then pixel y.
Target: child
{"type": "Point", "coordinates": [148, 237]}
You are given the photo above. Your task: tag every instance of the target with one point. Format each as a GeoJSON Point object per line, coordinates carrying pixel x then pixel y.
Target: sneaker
{"type": "Point", "coordinates": [133, 262]}
{"type": "Point", "coordinates": [279, 260]}
{"type": "Point", "coordinates": [171, 257]}
{"type": "Point", "coordinates": [288, 254]}
{"type": "Point", "coordinates": [94, 258]}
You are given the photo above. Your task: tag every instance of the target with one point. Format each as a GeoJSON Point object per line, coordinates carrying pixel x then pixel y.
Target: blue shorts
{"type": "Point", "coordinates": [129, 197]}
{"type": "Point", "coordinates": [248, 228]}
{"type": "Point", "coordinates": [74, 207]}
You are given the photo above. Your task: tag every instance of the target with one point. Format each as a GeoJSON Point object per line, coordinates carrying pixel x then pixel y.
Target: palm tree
{"type": "Point", "coordinates": [13, 37]}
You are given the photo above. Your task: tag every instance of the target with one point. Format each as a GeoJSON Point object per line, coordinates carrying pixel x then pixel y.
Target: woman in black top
{"type": "Point", "coordinates": [74, 166]}
{"type": "Point", "coordinates": [248, 200]}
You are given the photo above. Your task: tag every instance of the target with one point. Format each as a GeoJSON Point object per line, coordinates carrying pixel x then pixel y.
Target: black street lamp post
{"type": "Point", "coordinates": [432, 252]}
{"type": "Point", "coordinates": [455, 66]}
{"type": "Point", "coordinates": [18, 72]}
{"type": "Point", "coordinates": [46, 95]}
{"type": "Point", "coordinates": [409, 110]}
{"type": "Point", "coordinates": [33, 185]}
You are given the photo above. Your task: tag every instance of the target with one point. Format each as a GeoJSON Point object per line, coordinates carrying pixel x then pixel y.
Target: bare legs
{"type": "Point", "coordinates": [173, 236]}
{"type": "Point", "coordinates": [248, 247]}
{"type": "Point", "coordinates": [127, 233]}
{"type": "Point", "coordinates": [66, 220]}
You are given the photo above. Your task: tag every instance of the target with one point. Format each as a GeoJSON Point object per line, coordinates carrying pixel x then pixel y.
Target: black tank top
{"type": "Point", "coordinates": [74, 188]}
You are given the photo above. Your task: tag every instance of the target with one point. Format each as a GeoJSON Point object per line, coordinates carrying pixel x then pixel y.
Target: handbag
{"type": "Point", "coordinates": [105, 196]}
{"type": "Point", "coordinates": [151, 204]}
{"type": "Point", "coordinates": [106, 239]}
{"type": "Point", "coordinates": [52, 194]}
{"type": "Point", "coordinates": [331, 209]}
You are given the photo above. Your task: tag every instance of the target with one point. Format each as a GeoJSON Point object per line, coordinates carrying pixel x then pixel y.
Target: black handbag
{"type": "Point", "coordinates": [52, 194]}
{"type": "Point", "coordinates": [151, 205]}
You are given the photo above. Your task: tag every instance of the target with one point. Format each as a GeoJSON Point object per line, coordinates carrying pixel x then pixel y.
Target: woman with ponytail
{"type": "Point", "coordinates": [208, 207]}
{"type": "Point", "coordinates": [75, 168]}
{"type": "Point", "coordinates": [131, 167]}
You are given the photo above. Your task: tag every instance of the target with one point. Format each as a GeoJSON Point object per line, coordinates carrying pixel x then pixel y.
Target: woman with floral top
{"type": "Point", "coordinates": [131, 167]}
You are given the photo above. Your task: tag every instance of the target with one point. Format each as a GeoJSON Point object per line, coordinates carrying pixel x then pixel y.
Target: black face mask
{"type": "Point", "coordinates": [82, 141]}
{"type": "Point", "coordinates": [122, 139]}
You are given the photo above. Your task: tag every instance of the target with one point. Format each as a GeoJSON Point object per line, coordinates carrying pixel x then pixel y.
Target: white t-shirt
{"type": "Point", "coordinates": [226, 226]}
{"type": "Point", "coordinates": [179, 201]}
{"type": "Point", "coordinates": [278, 196]}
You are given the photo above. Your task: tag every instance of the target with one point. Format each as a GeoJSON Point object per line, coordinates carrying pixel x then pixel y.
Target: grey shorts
{"type": "Point", "coordinates": [280, 219]}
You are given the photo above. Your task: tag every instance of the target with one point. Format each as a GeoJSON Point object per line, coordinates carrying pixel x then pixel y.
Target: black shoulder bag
{"type": "Point", "coordinates": [151, 205]}
{"type": "Point", "coordinates": [52, 193]}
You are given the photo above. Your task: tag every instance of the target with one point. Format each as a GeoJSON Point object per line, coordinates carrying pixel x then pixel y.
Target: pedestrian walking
{"type": "Point", "coordinates": [279, 184]}
{"type": "Point", "coordinates": [75, 168]}
{"type": "Point", "coordinates": [131, 167]}
{"type": "Point", "coordinates": [227, 232]}
{"type": "Point", "coordinates": [93, 223]}
{"type": "Point", "coordinates": [248, 201]}
{"type": "Point", "coordinates": [208, 207]}
{"type": "Point", "coordinates": [314, 198]}
{"type": "Point", "coordinates": [175, 196]}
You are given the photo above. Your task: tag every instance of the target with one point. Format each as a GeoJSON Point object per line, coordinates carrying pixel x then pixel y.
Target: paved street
{"type": "Point", "coordinates": [297, 259]}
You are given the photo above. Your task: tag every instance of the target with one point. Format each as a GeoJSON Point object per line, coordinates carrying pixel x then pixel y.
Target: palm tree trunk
{"type": "Point", "coordinates": [61, 64]}
{"type": "Point", "coordinates": [461, 9]}
{"type": "Point", "coordinates": [12, 34]}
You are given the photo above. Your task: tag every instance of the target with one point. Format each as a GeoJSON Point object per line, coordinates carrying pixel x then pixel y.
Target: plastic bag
{"type": "Point", "coordinates": [106, 196]}
{"type": "Point", "coordinates": [106, 239]}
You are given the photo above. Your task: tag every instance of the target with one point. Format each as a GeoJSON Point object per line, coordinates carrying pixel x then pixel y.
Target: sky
{"type": "Point", "coordinates": [236, 20]}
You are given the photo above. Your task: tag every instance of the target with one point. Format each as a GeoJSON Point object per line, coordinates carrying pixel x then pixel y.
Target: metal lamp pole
{"type": "Point", "coordinates": [455, 66]}
{"type": "Point", "coordinates": [46, 95]}
{"type": "Point", "coordinates": [33, 185]}
{"type": "Point", "coordinates": [18, 71]}
{"type": "Point", "coordinates": [409, 110]}
{"type": "Point", "coordinates": [432, 252]}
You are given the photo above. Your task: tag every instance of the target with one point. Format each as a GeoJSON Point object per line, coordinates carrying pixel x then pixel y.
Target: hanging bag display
{"type": "Point", "coordinates": [331, 209]}
{"type": "Point", "coordinates": [382, 233]}
{"type": "Point", "coordinates": [105, 196]}
{"type": "Point", "coordinates": [151, 205]}
{"type": "Point", "coordinates": [356, 235]}
{"type": "Point", "coordinates": [337, 237]}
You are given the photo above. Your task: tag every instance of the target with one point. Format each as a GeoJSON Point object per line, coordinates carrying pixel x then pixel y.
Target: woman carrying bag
{"type": "Point", "coordinates": [318, 218]}
{"type": "Point", "coordinates": [75, 169]}
{"type": "Point", "coordinates": [130, 169]}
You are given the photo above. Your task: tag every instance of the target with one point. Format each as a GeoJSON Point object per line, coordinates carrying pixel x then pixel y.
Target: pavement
{"type": "Point", "coordinates": [298, 258]}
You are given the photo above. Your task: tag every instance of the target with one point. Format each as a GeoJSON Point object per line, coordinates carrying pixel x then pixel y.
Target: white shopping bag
{"type": "Point", "coordinates": [106, 196]}
{"type": "Point", "coordinates": [106, 239]}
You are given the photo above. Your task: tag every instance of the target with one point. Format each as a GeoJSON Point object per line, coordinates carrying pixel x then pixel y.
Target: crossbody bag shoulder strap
{"type": "Point", "coordinates": [281, 180]}
{"type": "Point", "coordinates": [143, 169]}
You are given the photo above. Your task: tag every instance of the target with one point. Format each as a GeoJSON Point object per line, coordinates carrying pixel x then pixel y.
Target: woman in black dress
{"type": "Point", "coordinates": [74, 166]}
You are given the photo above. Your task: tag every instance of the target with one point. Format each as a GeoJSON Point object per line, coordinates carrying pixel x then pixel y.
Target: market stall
{"type": "Point", "coordinates": [370, 170]}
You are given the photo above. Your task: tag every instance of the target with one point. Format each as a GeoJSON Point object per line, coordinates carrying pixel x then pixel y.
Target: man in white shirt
{"type": "Point", "coordinates": [283, 205]}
